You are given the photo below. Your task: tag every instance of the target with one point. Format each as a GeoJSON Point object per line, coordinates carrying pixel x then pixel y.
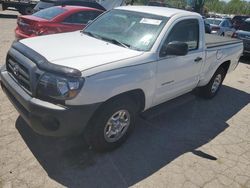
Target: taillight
{"type": "Point", "coordinates": [19, 21]}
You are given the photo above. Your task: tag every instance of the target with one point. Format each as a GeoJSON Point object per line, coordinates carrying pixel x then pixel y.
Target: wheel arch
{"type": "Point", "coordinates": [225, 65]}
{"type": "Point", "coordinates": [136, 95]}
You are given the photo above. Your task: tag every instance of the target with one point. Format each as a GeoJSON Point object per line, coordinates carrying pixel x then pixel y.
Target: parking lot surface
{"type": "Point", "coordinates": [187, 142]}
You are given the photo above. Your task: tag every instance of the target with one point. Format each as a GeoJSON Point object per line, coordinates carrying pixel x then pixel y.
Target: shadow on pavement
{"type": "Point", "coordinates": [9, 16]}
{"type": "Point", "coordinates": [161, 135]}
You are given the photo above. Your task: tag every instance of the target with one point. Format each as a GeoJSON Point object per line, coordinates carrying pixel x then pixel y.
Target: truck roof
{"type": "Point", "coordinates": [161, 11]}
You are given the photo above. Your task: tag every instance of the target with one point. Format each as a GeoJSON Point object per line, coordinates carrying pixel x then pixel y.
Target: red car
{"type": "Point", "coordinates": [56, 19]}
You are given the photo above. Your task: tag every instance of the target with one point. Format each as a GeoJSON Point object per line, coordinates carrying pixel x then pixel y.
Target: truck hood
{"type": "Point", "coordinates": [77, 50]}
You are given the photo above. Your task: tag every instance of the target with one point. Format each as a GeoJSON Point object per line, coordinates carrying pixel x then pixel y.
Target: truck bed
{"type": "Point", "coordinates": [216, 41]}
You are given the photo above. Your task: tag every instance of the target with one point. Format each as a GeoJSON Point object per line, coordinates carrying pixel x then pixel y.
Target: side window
{"type": "Point", "coordinates": [185, 31]}
{"type": "Point", "coordinates": [82, 17]}
{"type": "Point", "coordinates": [225, 24]}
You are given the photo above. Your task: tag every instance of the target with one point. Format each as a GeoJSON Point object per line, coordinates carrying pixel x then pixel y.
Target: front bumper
{"type": "Point", "coordinates": [43, 117]}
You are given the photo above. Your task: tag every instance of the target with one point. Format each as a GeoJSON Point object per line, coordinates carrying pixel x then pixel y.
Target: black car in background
{"type": "Point", "coordinates": [158, 4]}
{"type": "Point", "coordinates": [238, 21]}
{"type": "Point", "coordinates": [243, 33]}
{"type": "Point", "coordinates": [42, 4]}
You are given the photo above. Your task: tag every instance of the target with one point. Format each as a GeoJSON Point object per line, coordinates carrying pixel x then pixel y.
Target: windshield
{"type": "Point", "coordinates": [129, 29]}
{"type": "Point", "coordinates": [213, 21]}
{"type": "Point", "coordinates": [49, 13]}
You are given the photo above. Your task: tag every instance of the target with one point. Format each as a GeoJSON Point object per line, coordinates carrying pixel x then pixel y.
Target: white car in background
{"type": "Point", "coordinates": [221, 26]}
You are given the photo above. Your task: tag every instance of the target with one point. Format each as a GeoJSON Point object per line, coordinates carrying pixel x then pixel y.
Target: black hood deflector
{"type": "Point", "coordinates": [43, 63]}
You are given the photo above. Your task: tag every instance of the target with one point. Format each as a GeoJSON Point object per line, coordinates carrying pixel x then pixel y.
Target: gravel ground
{"type": "Point", "coordinates": [187, 142]}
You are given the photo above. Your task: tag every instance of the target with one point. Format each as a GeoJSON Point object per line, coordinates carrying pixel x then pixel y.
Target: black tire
{"type": "Point", "coordinates": [94, 133]}
{"type": "Point", "coordinates": [207, 91]}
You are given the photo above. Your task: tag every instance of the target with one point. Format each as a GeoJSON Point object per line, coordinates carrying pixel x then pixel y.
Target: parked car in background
{"type": "Point", "coordinates": [238, 21]}
{"type": "Point", "coordinates": [158, 4]}
{"type": "Point", "coordinates": [22, 6]}
{"type": "Point", "coordinates": [98, 4]}
{"type": "Point", "coordinates": [221, 26]}
{"type": "Point", "coordinates": [207, 27]}
{"type": "Point", "coordinates": [244, 34]}
{"type": "Point", "coordinates": [56, 19]}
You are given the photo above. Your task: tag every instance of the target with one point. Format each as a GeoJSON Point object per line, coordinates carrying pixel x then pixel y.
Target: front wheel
{"type": "Point", "coordinates": [111, 125]}
{"type": "Point", "coordinates": [212, 88]}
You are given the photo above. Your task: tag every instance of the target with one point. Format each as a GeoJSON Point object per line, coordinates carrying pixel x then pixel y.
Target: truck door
{"type": "Point", "coordinates": [177, 75]}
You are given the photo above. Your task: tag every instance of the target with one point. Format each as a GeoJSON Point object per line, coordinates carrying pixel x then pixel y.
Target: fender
{"type": "Point", "coordinates": [104, 85]}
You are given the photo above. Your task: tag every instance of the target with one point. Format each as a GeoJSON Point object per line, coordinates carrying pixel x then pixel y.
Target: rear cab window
{"type": "Point", "coordinates": [49, 13]}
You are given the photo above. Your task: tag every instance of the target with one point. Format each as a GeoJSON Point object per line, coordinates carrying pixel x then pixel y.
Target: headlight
{"type": "Point", "coordinates": [59, 88]}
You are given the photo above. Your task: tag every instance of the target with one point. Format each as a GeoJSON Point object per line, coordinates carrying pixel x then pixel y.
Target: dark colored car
{"type": "Point", "coordinates": [158, 4]}
{"type": "Point", "coordinates": [23, 7]}
{"type": "Point", "coordinates": [42, 4]}
{"type": "Point", "coordinates": [244, 34]}
{"type": "Point", "coordinates": [238, 21]}
{"type": "Point", "coordinates": [57, 19]}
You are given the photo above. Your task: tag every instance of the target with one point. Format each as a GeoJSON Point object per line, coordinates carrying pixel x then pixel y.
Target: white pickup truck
{"type": "Point", "coordinates": [126, 61]}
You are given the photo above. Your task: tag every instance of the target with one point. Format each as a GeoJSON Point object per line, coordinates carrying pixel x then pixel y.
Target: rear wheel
{"type": "Point", "coordinates": [111, 125]}
{"type": "Point", "coordinates": [212, 88]}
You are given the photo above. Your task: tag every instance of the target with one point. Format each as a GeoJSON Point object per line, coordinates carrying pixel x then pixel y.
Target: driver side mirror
{"type": "Point", "coordinates": [174, 48]}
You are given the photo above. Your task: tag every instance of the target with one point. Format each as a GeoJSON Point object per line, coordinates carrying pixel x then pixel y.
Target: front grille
{"type": "Point", "coordinates": [19, 72]}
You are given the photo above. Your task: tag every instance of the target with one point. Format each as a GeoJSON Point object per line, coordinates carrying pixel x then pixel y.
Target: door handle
{"type": "Point", "coordinates": [198, 59]}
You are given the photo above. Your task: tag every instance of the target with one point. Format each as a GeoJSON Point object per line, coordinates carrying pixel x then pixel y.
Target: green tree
{"type": "Point", "coordinates": [232, 7]}
{"type": "Point", "coordinates": [219, 6]}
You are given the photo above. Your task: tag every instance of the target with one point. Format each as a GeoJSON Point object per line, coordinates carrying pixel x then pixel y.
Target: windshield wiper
{"type": "Point", "coordinates": [90, 34]}
{"type": "Point", "coordinates": [114, 41]}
